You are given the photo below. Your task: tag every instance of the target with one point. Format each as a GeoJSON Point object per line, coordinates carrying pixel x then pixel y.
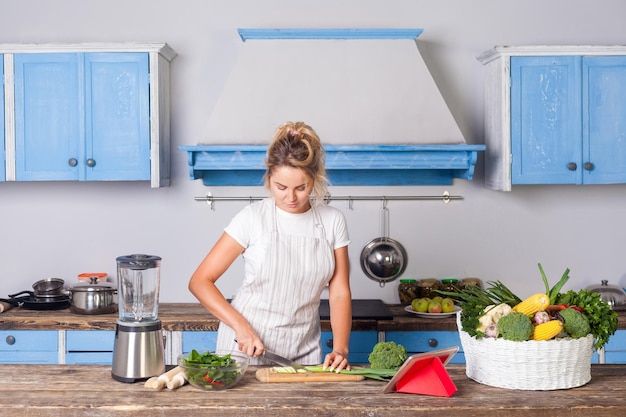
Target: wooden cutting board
{"type": "Point", "coordinates": [268, 375]}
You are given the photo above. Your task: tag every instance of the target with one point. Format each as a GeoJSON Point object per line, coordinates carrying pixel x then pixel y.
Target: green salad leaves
{"type": "Point", "coordinates": [210, 370]}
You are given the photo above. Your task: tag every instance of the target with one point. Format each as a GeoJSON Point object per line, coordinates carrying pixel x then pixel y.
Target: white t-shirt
{"type": "Point", "coordinates": [252, 228]}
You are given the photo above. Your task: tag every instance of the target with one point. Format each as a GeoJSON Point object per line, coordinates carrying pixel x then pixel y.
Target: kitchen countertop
{"type": "Point", "coordinates": [89, 391]}
{"type": "Point", "coordinates": [192, 316]}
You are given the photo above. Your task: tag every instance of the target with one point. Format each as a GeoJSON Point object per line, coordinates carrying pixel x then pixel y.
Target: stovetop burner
{"type": "Point", "coordinates": [361, 309]}
{"type": "Point", "coordinates": [32, 302]}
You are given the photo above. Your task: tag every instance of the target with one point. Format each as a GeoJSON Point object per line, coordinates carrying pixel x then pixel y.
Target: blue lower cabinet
{"type": "Point", "coordinates": [201, 341]}
{"type": "Point", "coordinates": [29, 346]}
{"type": "Point", "coordinates": [89, 347]}
{"type": "Point", "coordinates": [420, 342]}
{"type": "Point", "coordinates": [361, 344]}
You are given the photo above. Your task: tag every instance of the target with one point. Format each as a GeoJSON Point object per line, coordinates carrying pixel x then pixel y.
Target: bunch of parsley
{"type": "Point", "coordinates": [602, 320]}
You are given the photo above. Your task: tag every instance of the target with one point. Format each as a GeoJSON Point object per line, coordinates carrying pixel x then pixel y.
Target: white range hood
{"type": "Point", "coordinates": [367, 93]}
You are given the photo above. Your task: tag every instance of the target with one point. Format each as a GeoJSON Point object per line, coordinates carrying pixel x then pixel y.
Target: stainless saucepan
{"type": "Point", "coordinates": [48, 287]}
{"type": "Point", "coordinates": [383, 259]}
{"type": "Point", "coordinates": [93, 299]}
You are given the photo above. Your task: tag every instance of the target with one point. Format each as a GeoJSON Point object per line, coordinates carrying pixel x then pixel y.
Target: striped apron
{"type": "Point", "coordinates": [282, 302]}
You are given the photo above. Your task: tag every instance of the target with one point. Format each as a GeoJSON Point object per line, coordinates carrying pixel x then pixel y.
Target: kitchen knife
{"type": "Point", "coordinates": [272, 357]}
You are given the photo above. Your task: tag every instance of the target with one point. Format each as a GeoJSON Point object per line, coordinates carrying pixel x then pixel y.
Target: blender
{"type": "Point", "coordinates": [138, 351]}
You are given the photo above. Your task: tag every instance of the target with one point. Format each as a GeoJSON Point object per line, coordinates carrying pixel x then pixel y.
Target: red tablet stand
{"type": "Point", "coordinates": [427, 377]}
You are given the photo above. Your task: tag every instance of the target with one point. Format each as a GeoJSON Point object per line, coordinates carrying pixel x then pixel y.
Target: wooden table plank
{"type": "Point", "coordinates": [89, 391]}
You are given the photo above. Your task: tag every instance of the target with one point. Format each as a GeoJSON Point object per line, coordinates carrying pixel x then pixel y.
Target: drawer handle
{"type": "Point", "coordinates": [588, 166]}
{"type": "Point", "coordinates": [72, 162]}
{"type": "Point", "coordinates": [91, 163]}
{"type": "Point", "coordinates": [572, 166]}
{"type": "Point", "coordinates": [433, 342]}
{"type": "Point", "coordinates": [10, 340]}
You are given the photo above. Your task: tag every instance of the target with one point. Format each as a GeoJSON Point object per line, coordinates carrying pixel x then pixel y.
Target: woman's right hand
{"type": "Point", "coordinates": [249, 342]}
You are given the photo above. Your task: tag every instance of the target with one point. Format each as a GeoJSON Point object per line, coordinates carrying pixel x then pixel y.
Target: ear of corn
{"type": "Point", "coordinates": [547, 330]}
{"type": "Point", "coordinates": [533, 304]}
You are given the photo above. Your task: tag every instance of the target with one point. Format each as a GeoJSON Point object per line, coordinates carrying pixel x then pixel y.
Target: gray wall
{"type": "Point", "coordinates": [63, 229]}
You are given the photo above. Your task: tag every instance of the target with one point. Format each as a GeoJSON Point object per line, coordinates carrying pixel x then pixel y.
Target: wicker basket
{"type": "Point", "coordinates": [530, 365]}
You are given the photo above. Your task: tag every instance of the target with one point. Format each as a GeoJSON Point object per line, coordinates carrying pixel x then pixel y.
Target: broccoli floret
{"type": "Point", "coordinates": [575, 323]}
{"type": "Point", "coordinates": [515, 326]}
{"type": "Point", "coordinates": [387, 355]}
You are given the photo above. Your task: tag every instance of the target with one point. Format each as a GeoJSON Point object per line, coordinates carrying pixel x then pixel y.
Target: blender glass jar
{"type": "Point", "coordinates": [138, 278]}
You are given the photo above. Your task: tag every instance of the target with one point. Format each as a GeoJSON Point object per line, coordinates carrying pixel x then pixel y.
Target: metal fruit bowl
{"type": "Point", "coordinates": [214, 378]}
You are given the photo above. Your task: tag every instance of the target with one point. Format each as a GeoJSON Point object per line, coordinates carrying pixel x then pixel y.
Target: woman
{"type": "Point", "coordinates": [293, 246]}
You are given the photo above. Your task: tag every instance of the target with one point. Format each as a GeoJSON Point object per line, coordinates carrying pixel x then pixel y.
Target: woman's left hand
{"type": "Point", "coordinates": [337, 361]}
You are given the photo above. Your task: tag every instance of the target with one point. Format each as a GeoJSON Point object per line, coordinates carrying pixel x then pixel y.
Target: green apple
{"type": "Point", "coordinates": [438, 299]}
{"type": "Point", "coordinates": [447, 305]}
{"type": "Point", "coordinates": [434, 307]}
{"type": "Point", "coordinates": [420, 304]}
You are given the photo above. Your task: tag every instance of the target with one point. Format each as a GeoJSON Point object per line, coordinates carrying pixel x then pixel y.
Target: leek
{"type": "Point", "coordinates": [378, 374]}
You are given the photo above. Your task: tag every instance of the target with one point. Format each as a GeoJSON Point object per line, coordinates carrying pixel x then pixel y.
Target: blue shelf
{"type": "Point", "coordinates": [355, 165]}
{"type": "Point", "coordinates": [383, 33]}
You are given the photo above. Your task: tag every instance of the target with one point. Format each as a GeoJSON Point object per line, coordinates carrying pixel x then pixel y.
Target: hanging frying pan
{"type": "Point", "coordinates": [383, 259]}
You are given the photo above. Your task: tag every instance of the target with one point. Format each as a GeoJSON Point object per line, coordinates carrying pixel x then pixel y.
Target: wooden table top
{"type": "Point", "coordinates": [89, 391]}
{"type": "Point", "coordinates": [192, 316]}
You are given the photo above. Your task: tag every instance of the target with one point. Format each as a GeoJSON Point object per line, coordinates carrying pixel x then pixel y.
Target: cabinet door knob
{"type": "Point", "coordinates": [572, 166]}
{"type": "Point", "coordinates": [433, 342]}
{"type": "Point", "coordinates": [10, 340]}
{"type": "Point", "coordinates": [91, 163]}
{"type": "Point", "coordinates": [329, 343]}
{"type": "Point", "coordinates": [72, 162]}
{"type": "Point", "coordinates": [588, 166]}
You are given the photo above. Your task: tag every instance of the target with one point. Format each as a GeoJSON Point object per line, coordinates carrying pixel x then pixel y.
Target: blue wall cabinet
{"type": "Point", "coordinates": [545, 120]}
{"type": "Point", "coordinates": [88, 113]}
{"type": "Point", "coordinates": [29, 346]}
{"type": "Point", "coordinates": [555, 115]}
{"type": "Point", "coordinates": [82, 116]}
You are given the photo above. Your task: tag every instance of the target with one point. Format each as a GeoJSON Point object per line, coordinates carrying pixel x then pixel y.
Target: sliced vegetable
{"type": "Point", "coordinates": [212, 382]}
{"type": "Point", "coordinates": [379, 374]}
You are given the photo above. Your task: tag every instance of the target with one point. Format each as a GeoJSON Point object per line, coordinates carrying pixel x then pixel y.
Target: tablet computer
{"type": "Point", "coordinates": [444, 356]}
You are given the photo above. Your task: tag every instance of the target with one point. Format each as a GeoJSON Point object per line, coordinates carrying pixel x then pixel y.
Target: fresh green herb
{"type": "Point", "coordinates": [210, 370]}
{"type": "Point", "coordinates": [473, 299]}
{"type": "Point", "coordinates": [602, 320]}
{"type": "Point", "coordinates": [554, 291]}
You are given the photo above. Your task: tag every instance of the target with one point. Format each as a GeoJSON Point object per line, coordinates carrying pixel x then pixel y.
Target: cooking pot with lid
{"type": "Point", "coordinates": [93, 298]}
{"type": "Point", "coordinates": [612, 294]}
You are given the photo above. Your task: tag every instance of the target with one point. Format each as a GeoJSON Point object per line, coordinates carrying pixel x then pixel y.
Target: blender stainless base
{"type": "Point", "coordinates": [138, 351]}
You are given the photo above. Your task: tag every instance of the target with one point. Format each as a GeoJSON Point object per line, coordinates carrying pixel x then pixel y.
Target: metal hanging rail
{"type": "Point", "coordinates": [445, 198]}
